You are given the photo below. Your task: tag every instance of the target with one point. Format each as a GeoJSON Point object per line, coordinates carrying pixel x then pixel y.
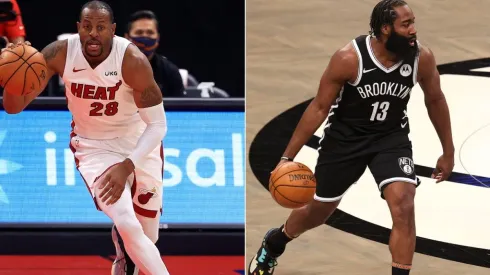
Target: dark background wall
{"type": "Point", "coordinates": [205, 37]}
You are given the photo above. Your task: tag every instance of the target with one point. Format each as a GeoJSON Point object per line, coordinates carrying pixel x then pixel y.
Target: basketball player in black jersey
{"type": "Point", "coordinates": [364, 93]}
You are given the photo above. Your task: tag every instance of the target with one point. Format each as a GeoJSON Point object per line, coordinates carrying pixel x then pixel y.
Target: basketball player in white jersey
{"type": "Point", "coordinates": [117, 130]}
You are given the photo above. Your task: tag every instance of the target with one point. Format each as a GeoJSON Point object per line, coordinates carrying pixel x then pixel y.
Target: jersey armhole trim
{"type": "Point", "coordinates": [416, 66]}
{"type": "Point", "coordinates": [360, 66]}
{"type": "Point", "coordinates": [70, 56]}
{"type": "Point", "coordinates": [125, 49]}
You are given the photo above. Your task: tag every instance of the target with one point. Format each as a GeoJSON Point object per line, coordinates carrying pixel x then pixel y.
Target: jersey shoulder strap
{"type": "Point", "coordinates": [362, 52]}
{"type": "Point", "coordinates": [365, 52]}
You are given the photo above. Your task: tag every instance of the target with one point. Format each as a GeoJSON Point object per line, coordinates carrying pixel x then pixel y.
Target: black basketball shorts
{"type": "Point", "coordinates": [336, 172]}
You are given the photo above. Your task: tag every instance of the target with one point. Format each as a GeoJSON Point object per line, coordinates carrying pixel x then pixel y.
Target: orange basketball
{"type": "Point", "coordinates": [23, 70]}
{"type": "Point", "coordinates": [292, 185]}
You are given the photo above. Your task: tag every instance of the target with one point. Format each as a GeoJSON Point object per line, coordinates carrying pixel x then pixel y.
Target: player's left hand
{"type": "Point", "coordinates": [12, 45]}
{"type": "Point", "coordinates": [113, 182]}
{"type": "Point", "coordinates": [444, 168]}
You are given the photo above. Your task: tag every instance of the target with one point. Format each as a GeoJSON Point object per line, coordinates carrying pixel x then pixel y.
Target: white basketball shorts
{"type": "Point", "coordinates": [94, 157]}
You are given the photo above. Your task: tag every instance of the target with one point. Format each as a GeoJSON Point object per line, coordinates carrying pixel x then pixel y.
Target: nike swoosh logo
{"type": "Point", "coordinates": [367, 71]}
{"type": "Point", "coordinates": [76, 71]}
{"type": "Point", "coordinates": [404, 124]}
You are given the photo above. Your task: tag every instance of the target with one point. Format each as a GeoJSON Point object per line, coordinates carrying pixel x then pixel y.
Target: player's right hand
{"type": "Point", "coordinates": [279, 165]}
{"type": "Point", "coordinates": [113, 183]}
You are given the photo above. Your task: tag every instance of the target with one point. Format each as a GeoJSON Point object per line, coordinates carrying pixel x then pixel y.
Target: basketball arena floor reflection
{"type": "Point", "coordinates": [289, 44]}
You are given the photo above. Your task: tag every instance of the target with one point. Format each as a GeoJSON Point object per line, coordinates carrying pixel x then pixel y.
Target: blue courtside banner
{"type": "Point", "coordinates": [204, 172]}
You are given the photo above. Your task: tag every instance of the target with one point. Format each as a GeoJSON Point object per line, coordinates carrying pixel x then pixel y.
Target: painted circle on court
{"type": "Point", "coordinates": [476, 145]}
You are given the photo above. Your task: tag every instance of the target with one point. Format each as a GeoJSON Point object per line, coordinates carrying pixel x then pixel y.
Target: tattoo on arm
{"type": "Point", "coordinates": [51, 50]}
{"type": "Point", "coordinates": [150, 96]}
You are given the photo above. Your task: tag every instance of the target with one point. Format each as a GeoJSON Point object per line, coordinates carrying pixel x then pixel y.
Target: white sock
{"type": "Point", "coordinates": [139, 247]}
{"type": "Point", "coordinates": [151, 227]}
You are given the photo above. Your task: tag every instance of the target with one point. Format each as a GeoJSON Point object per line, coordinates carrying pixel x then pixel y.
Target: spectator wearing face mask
{"type": "Point", "coordinates": [143, 32]}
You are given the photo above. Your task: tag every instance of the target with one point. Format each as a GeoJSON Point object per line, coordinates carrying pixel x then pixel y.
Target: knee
{"type": "Point", "coordinates": [128, 226]}
{"type": "Point", "coordinates": [403, 209]}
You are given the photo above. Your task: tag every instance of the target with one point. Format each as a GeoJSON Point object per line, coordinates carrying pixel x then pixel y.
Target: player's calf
{"type": "Point", "coordinates": [138, 246]}
{"type": "Point", "coordinates": [123, 265]}
{"type": "Point", "coordinates": [400, 198]}
{"type": "Point", "coordinates": [301, 220]}
{"type": "Point", "coordinates": [310, 216]}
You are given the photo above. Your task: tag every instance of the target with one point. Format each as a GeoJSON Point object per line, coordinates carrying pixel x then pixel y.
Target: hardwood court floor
{"type": "Point", "coordinates": [289, 43]}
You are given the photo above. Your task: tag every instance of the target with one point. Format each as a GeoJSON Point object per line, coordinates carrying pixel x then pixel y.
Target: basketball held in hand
{"type": "Point", "coordinates": [292, 185]}
{"type": "Point", "coordinates": [23, 70]}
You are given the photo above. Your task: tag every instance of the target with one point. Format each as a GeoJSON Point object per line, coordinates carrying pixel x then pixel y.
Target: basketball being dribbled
{"type": "Point", "coordinates": [23, 70]}
{"type": "Point", "coordinates": [292, 185]}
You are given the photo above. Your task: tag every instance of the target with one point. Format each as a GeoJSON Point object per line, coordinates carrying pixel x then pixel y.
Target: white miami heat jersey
{"type": "Point", "coordinates": [101, 103]}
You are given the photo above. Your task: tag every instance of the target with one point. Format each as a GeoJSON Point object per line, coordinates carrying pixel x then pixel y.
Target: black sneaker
{"type": "Point", "coordinates": [264, 262]}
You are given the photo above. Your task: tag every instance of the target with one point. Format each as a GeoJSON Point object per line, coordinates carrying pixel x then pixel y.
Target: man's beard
{"type": "Point", "coordinates": [400, 45]}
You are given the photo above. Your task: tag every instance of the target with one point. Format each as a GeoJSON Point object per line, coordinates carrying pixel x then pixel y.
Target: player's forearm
{"type": "Point", "coordinates": [154, 133]}
{"type": "Point", "coordinates": [13, 104]}
{"type": "Point", "coordinates": [439, 115]}
{"type": "Point", "coordinates": [312, 118]}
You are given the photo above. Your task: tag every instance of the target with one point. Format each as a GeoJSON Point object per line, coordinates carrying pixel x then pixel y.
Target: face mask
{"type": "Point", "coordinates": [145, 44]}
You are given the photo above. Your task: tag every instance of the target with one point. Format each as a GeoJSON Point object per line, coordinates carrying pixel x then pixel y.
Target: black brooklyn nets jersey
{"type": "Point", "coordinates": [376, 103]}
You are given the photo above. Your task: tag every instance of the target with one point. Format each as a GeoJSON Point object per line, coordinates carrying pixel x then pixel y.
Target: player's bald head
{"type": "Point", "coordinates": [99, 6]}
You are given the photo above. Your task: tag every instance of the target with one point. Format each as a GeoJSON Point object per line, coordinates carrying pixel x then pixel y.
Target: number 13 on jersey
{"type": "Point", "coordinates": [380, 110]}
